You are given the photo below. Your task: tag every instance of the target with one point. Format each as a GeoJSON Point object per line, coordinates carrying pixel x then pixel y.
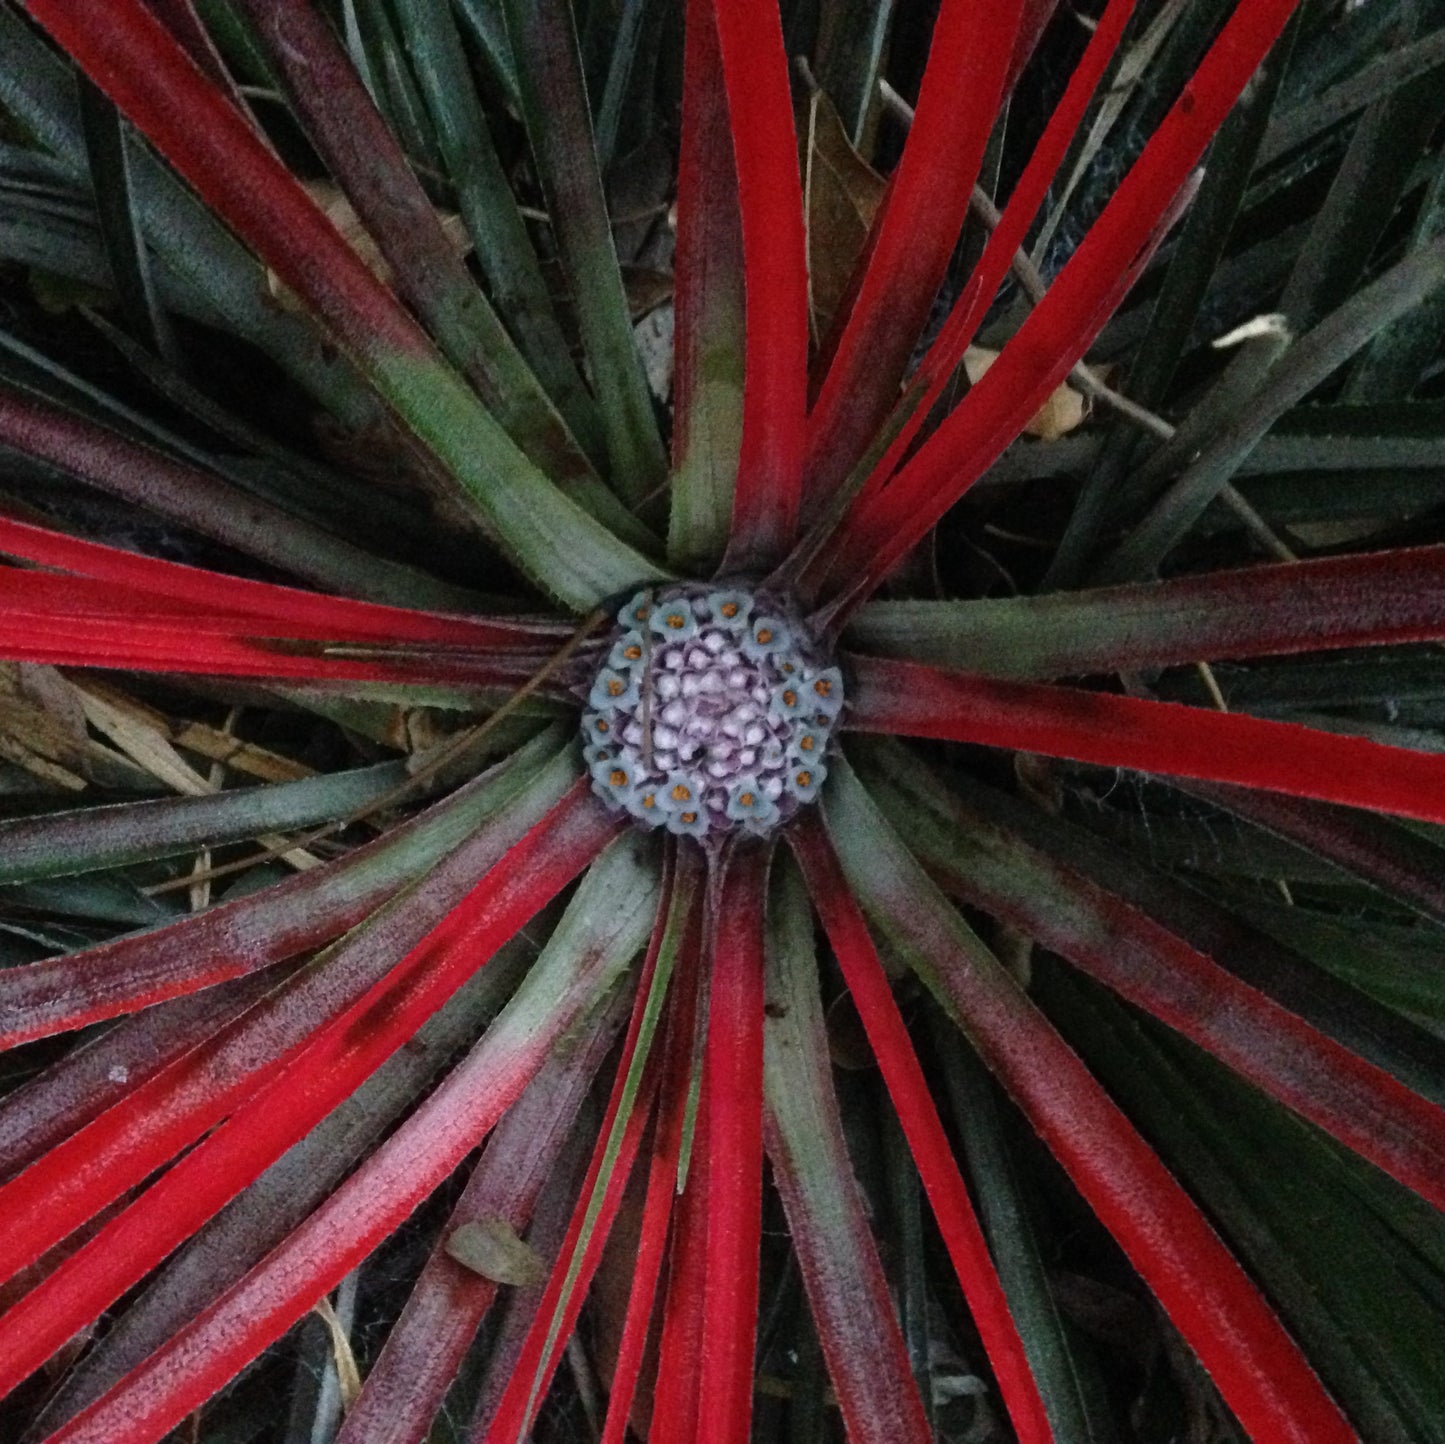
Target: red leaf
{"type": "Point", "coordinates": [709, 304]}
{"type": "Point", "coordinates": [326, 1070]}
{"type": "Point", "coordinates": [736, 901]}
{"type": "Point", "coordinates": [191, 589]}
{"type": "Point", "coordinates": [250, 933]}
{"type": "Point", "coordinates": [577, 1259]}
{"type": "Point", "coordinates": [880, 531]}
{"type": "Point", "coordinates": [946, 353]}
{"type": "Point", "coordinates": [1254, 611]}
{"type": "Point", "coordinates": [1124, 948]}
{"type": "Point", "coordinates": [932, 1152]}
{"type": "Point", "coordinates": [913, 700]}
{"type": "Point", "coordinates": [661, 1187]}
{"type": "Point", "coordinates": [425, 1349]}
{"type": "Point", "coordinates": [770, 195]}
{"type": "Point", "coordinates": [216, 646]}
{"type": "Point", "coordinates": [1260, 1371]}
{"type": "Point", "coordinates": [376, 1199]}
{"type": "Point", "coordinates": [95, 1075]}
{"type": "Point", "coordinates": [968, 58]}
{"type": "Point", "coordinates": [678, 1394]}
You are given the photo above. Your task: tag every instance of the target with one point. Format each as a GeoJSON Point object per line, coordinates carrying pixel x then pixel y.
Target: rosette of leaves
{"type": "Point", "coordinates": [1121, 902]}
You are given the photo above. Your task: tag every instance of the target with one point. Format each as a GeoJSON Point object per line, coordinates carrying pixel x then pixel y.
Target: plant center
{"type": "Point", "coordinates": [713, 712]}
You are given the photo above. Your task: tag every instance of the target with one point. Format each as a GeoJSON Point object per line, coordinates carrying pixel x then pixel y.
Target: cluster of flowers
{"type": "Point", "coordinates": [712, 713]}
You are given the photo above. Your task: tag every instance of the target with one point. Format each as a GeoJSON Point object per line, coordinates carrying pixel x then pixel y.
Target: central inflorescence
{"type": "Point", "coordinates": [712, 713]}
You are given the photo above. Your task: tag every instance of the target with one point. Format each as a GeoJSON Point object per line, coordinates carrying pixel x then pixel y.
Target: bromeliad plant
{"type": "Point", "coordinates": [746, 837]}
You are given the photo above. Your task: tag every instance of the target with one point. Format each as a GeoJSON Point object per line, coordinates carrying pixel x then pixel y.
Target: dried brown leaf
{"type": "Point", "coordinates": [244, 757]}
{"type": "Point", "coordinates": [145, 736]}
{"type": "Point", "coordinates": [42, 726]}
{"type": "Point", "coordinates": [342, 214]}
{"type": "Point", "coordinates": [1065, 409]}
{"type": "Point", "coordinates": [842, 193]}
{"type": "Point", "coordinates": [348, 1375]}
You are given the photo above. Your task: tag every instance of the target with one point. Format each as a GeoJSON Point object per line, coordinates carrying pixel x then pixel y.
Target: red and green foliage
{"type": "Point", "coordinates": [1071, 1071]}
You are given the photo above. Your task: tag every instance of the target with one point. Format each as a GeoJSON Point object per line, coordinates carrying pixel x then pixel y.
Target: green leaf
{"type": "Point", "coordinates": [604, 885]}
{"type": "Point", "coordinates": [1309, 362]}
{"type": "Point", "coordinates": [559, 128]}
{"type": "Point", "coordinates": [627, 34]}
{"type": "Point", "coordinates": [1193, 262]}
{"type": "Point", "coordinates": [805, 1141]}
{"type": "Point", "coordinates": [488, 27]}
{"type": "Point", "coordinates": [238, 48]}
{"type": "Point", "coordinates": [107, 144]}
{"type": "Point", "coordinates": [56, 844]}
{"type": "Point", "coordinates": [1397, 964]}
{"type": "Point", "coordinates": [97, 899]}
{"type": "Point", "coordinates": [1368, 186]}
{"type": "Point", "coordinates": [1337, 605]}
{"type": "Point", "coordinates": [1318, 109]}
{"type": "Point", "coordinates": [568, 552]}
{"type": "Point", "coordinates": [1395, 361]}
{"type": "Point", "coordinates": [426, 270]}
{"type": "Point", "coordinates": [848, 56]}
{"type": "Point", "coordinates": [254, 460]}
{"type": "Point", "coordinates": [253, 507]}
{"type": "Point", "coordinates": [489, 208]}
{"type": "Point", "coordinates": [36, 88]}
{"type": "Point", "coordinates": [396, 90]}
